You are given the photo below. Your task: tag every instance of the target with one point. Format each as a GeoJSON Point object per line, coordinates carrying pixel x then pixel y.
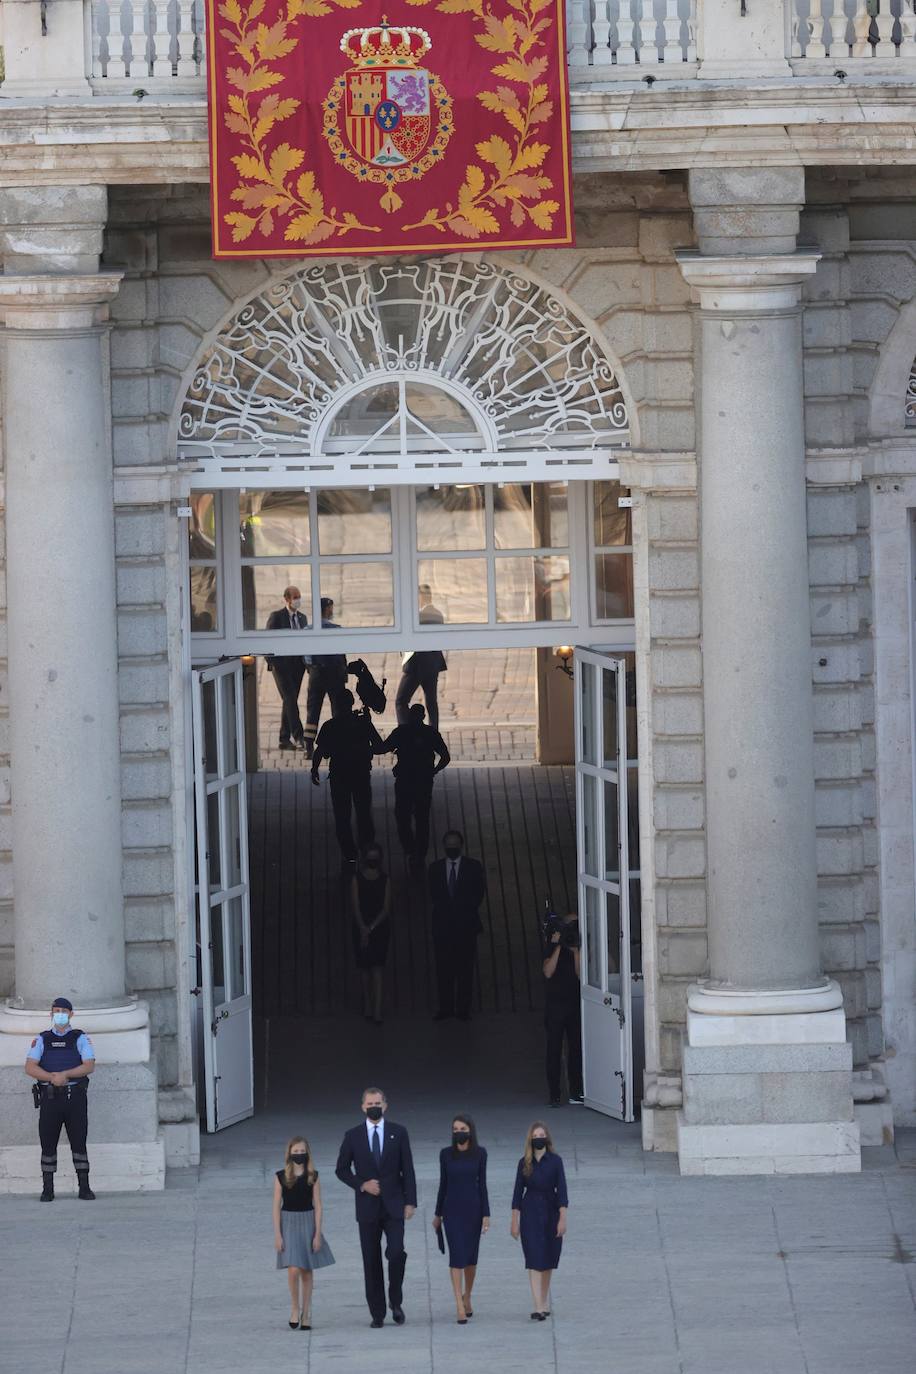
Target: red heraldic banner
{"type": "Point", "coordinates": [338, 126]}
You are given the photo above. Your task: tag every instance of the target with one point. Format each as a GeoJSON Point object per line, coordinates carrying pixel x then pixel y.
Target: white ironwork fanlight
{"type": "Point", "coordinates": [445, 357]}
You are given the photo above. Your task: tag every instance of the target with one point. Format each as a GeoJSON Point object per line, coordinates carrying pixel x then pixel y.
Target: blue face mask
{"type": "Point", "coordinates": [61, 1018]}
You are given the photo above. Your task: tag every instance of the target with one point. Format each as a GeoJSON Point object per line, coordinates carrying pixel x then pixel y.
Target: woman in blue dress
{"type": "Point", "coordinates": [539, 1206]}
{"type": "Point", "coordinates": [463, 1207]}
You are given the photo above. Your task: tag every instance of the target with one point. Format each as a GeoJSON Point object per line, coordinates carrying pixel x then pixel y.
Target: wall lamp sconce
{"type": "Point", "coordinates": [564, 653]}
{"type": "Point", "coordinates": [247, 659]}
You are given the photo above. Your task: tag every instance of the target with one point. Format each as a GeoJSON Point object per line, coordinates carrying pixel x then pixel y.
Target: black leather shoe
{"type": "Point", "coordinates": [397, 1316]}
{"type": "Point", "coordinates": [47, 1189]}
{"type": "Point", "coordinates": [377, 1321]}
{"type": "Point", "coordinates": [85, 1192]}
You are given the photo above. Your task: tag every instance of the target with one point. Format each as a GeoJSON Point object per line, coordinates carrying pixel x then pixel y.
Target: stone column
{"type": "Point", "coordinates": [767, 1071]}
{"type": "Point", "coordinates": [63, 682]}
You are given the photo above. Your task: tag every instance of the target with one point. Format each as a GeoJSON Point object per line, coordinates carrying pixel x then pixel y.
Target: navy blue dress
{"type": "Point", "coordinates": [462, 1202]}
{"type": "Point", "coordinates": [539, 1198]}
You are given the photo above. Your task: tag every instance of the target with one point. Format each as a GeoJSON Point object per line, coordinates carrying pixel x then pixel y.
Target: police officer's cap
{"type": "Point", "coordinates": [62, 1002]}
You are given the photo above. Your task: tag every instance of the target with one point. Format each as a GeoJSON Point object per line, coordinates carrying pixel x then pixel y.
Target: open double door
{"type": "Point", "coordinates": [606, 831]}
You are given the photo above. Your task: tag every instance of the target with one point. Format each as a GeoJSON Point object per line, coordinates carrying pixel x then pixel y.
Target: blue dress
{"type": "Point", "coordinates": [462, 1202]}
{"type": "Point", "coordinates": [539, 1198]}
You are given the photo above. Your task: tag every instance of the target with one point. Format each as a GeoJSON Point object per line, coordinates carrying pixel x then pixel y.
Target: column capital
{"type": "Point", "coordinates": [747, 285]}
{"type": "Point", "coordinates": [51, 300]}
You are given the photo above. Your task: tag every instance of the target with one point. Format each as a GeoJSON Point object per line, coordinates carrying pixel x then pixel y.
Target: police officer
{"type": "Point", "coordinates": [349, 739]}
{"type": "Point", "coordinates": [327, 678]}
{"type": "Point", "coordinates": [421, 754]}
{"type": "Point", "coordinates": [61, 1059]}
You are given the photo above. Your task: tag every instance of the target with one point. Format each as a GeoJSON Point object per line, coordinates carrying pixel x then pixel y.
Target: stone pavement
{"type": "Point", "coordinates": [660, 1275]}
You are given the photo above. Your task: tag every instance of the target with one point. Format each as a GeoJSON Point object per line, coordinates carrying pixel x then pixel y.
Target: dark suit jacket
{"type": "Point", "coordinates": [279, 620]}
{"type": "Point", "coordinates": [461, 916]}
{"type": "Point", "coordinates": [355, 1166]}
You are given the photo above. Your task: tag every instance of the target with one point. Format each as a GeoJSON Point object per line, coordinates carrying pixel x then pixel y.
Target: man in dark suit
{"type": "Point", "coordinates": [327, 678]}
{"type": "Point", "coordinates": [375, 1161]}
{"type": "Point", "coordinates": [457, 887]}
{"type": "Point", "coordinates": [422, 668]}
{"type": "Point", "coordinates": [289, 669]}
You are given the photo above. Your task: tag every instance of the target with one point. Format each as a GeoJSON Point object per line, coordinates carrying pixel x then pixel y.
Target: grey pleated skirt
{"type": "Point", "coordinates": [298, 1232]}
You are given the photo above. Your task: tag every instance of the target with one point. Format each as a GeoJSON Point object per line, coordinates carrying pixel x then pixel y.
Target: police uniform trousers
{"type": "Point", "coordinates": [288, 675]}
{"type": "Point", "coordinates": [67, 1108]}
{"type": "Point", "coordinates": [352, 792]}
{"type": "Point", "coordinates": [323, 682]}
{"type": "Point", "coordinates": [370, 1243]}
{"type": "Point", "coordinates": [563, 1021]}
{"type": "Point", "coordinates": [413, 797]}
{"type": "Point", "coordinates": [411, 681]}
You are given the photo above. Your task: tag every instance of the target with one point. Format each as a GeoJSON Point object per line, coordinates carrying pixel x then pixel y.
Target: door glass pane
{"type": "Point", "coordinates": [612, 525]}
{"type": "Point", "coordinates": [531, 589]}
{"type": "Point", "coordinates": [262, 591]}
{"type": "Point", "coordinates": [530, 515]}
{"type": "Point", "coordinates": [208, 712]}
{"type": "Point", "coordinates": [633, 818]}
{"type": "Point", "coordinates": [593, 970]}
{"type": "Point", "coordinates": [450, 518]}
{"type": "Point", "coordinates": [229, 726]}
{"type": "Point", "coordinates": [235, 948]}
{"type": "Point", "coordinates": [214, 864]}
{"type": "Point", "coordinates": [357, 521]}
{"type": "Point", "coordinates": [458, 588]}
{"type": "Point", "coordinates": [202, 525]}
{"type": "Point", "coordinates": [274, 523]}
{"type": "Point", "coordinates": [611, 833]}
{"type": "Point", "coordinates": [204, 612]}
{"type": "Point", "coordinates": [367, 413]}
{"type": "Point", "coordinates": [438, 411]}
{"type": "Point", "coordinates": [217, 961]}
{"type": "Point", "coordinates": [614, 586]}
{"type": "Point", "coordinates": [613, 939]}
{"type": "Point", "coordinates": [609, 718]}
{"type": "Point", "coordinates": [589, 823]}
{"type": "Point", "coordinates": [630, 680]}
{"type": "Point", "coordinates": [233, 837]}
{"type": "Point", "coordinates": [635, 926]}
{"type": "Point", "coordinates": [588, 742]}
{"type": "Point", "coordinates": [363, 593]}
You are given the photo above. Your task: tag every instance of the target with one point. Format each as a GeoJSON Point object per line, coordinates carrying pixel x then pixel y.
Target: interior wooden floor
{"type": "Point", "coordinates": [518, 820]}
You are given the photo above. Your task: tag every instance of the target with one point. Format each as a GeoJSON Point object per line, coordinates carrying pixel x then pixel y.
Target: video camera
{"type": "Point", "coordinates": [552, 924]}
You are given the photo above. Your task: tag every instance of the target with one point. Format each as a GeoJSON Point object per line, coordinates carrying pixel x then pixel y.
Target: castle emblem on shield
{"type": "Point", "coordinates": [387, 119]}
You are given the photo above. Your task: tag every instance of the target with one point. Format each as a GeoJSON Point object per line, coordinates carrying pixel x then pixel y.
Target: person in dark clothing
{"type": "Point", "coordinates": [60, 1061]}
{"type": "Point", "coordinates": [289, 669]}
{"type": "Point", "coordinates": [422, 668]}
{"type": "Point", "coordinates": [562, 1011]}
{"type": "Point", "coordinates": [539, 1205]}
{"type": "Point", "coordinates": [327, 674]}
{"type": "Point", "coordinates": [375, 1161]}
{"type": "Point", "coordinates": [349, 740]}
{"type": "Point", "coordinates": [370, 898]}
{"type": "Point", "coordinates": [457, 886]}
{"type": "Point", "coordinates": [463, 1208]}
{"type": "Point", "coordinates": [421, 753]}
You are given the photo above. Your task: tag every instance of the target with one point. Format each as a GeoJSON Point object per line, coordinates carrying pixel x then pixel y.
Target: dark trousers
{"type": "Point", "coordinates": [289, 680]}
{"type": "Point", "coordinates": [455, 971]}
{"type": "Point", "coordinates": [408, 687]}
{"type": "Point", "coordinates": [69, 1111]}
{"type": "Point", "coordinates": [321, 684]}
{"type": "Point", "coordinates": [349, 793]}
{"type": "Point", "coordinates": [564, 1021]}
{"type": "Point", "coordinates": [370, 1242]}
{"type": "Point", "coordinates": [413, 797]}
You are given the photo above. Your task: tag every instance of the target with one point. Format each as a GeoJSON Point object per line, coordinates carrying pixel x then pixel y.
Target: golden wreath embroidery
{"type": "Point", "coordinates": [509, 175]}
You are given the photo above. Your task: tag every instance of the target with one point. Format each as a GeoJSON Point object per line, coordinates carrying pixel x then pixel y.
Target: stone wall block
{"type": "Point", "coordinates": [834, 612]}
{"type": "Point", "coordinates": [833, 563]}
{"type": "Point", "coordinates": [673, 569]}
{"type": "Point", "coordinates": [672, 518]}
{"type": "Point", "coordinates": [670, 1042]}
{"type": "Point", "coordinates": [842, 947]}
{"type": "Point", "coordinates": [837, 710]}
{"type": "Point", "coordinates": [676, 666]}
{"type": "Point", "coordinates": [679, 762]}
{"type": "Point", "coordinates": [672, 999]}
{"type": "Point", "coordinates": [840, 851]}
{"type": "Point", "coordinates": [150, 966]}
{"type": "Point", "coordinates": [837, 757]}
{"type": "Point", "coordinates": [838, 804]}
{"type": "Point", "coordinates": [680, 855]}
{"type": "Point", "coordinates": [675, 616]}
{"type": "Point", "coordinates": [841, 899]}
{"type": "Point", "coordinates": [660, 235]}
{"type": "Point", "coordinates": [141, 583]}
{"type": "Point", "coordinates": [144, 731]}
{"type": "Point", "coordinates": [146, 825]}
{"type": "Point", "coordinates": [132, 349]}
{"type": "Point", "coordinates": [683, 953]}
{"type": "Point", "coordinates": [148, 920]}
{"type": "Point", "coordinates": [678, 808]}
{"type": "Point", "coordinates": [669, 331]}
{"type": "Point", "coordinates": [604, 286]}
{"type": "Point", "coordinates": [148, 873]}
{"type": "Point", "coordinates": [144, 683]}
{"type": "Point", "coordinates": [832, 511]}
{"type": "Point", "coordinates": [838, 662]}
{"type": "Point", "coordinates": [680, 903]}
{"type": "Point", "coordinates": [677, 713]}
{"type": "Point", "coordinates": [145, 778]}
{"type": "Point", "coordinates": [140, 533]}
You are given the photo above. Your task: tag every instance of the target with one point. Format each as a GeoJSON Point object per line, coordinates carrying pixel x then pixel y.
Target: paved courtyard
{"type": "Point", "coordinates": [660, 1275]}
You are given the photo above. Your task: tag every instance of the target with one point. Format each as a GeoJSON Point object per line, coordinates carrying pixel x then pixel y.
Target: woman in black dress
{"type": "Point", "coordinates": [539, 1206]}
{"type": "Point", "coordinates": [463, 1207]}
{"type": "Point", "coordinates": [370, 897]}
{"type": "Point", "coordinates": [298, 1240]}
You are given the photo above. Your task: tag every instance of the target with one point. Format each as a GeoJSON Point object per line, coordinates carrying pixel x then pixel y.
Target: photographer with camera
{"type": "Point", "coordinates": [562, 1014]}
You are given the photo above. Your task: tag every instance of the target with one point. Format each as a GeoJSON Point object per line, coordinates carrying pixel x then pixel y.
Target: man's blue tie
{"type": "Point", "coordinates": [452, 882]}
{"type": "Point", "coordinates": [376, 1147]}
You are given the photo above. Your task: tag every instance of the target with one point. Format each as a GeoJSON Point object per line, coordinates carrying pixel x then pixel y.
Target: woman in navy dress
{"type": "Point", "coordinates": [463, 1207]}
{"type": "Point", "coordinates": [539, 1206]}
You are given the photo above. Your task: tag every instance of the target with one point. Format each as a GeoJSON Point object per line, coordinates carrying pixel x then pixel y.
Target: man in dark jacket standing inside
{"type": "Point", "coordinates": [348, 740]}
{"type": "Point", "coordinates": [457, 886]}
{"type": "Point", "coordinates": [289, 669]}
{"type": "Point", "coordinates": [375, 1161]}
{"type": "Point", "coordinates": [421, 754]}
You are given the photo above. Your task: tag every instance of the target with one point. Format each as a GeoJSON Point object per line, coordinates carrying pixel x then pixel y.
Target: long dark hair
{"type": "Point", "coordinates": [469, 1122]}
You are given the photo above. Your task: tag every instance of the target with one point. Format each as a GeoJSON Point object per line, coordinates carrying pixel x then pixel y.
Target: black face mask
{"type": "Point", "coordinates": [299, 1159]}
{"type": "Point", "coordinates": [452, 853]}
{"type": "Point", "coordinates": [374, 1113]}
{"type": "Point", "coordinates": [372, 865]}
{"type": "Point", "coordinates": [538, 1144]}
{"type": "Point", "coordinates": [460, 1137]}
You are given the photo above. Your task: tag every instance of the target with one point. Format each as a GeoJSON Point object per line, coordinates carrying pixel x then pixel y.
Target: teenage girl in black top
{"type": "Point", "coordinates": [298, 1239]}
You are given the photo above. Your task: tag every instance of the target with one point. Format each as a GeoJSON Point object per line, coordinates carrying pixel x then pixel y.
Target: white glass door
{"type": "Point", "coordinates": [605, 883]}
{"type": "Point", "coordinates": [224, 935]}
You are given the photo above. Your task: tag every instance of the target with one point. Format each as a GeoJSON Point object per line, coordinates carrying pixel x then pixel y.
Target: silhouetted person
{"type": "Point", "coordinates": [349, 740]}
{"type": "Point", "coordinates": [421, 754]}
{"type": "Point", "coordinates": [422, 668]}
{"type": "Point", "coordinates": [562, 1010]}
{"type": "Point", "coordinates": [457, 887]}
{"type": "Point", "coordinates": [327, 678]}
{"type": "Point", "coordinates": [289, 669]}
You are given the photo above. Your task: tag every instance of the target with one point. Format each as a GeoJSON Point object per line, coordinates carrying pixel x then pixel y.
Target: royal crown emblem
{"type": "Point", "coordinates": [387, 119]}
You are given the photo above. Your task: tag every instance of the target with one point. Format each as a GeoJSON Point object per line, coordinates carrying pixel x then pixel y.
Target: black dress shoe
{"type": "Point", "coordinates": [377, 1321]}
{"type": "Point", "coordinates": [397, 1315]}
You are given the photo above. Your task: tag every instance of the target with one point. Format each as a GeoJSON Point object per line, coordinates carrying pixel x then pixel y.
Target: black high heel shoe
{"type": "Point", "coordinates": [294, 1326]}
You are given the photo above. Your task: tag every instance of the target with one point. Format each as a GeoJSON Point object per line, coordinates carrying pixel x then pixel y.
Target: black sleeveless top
{"type": "Point", "coordinates": [299, 1197]}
